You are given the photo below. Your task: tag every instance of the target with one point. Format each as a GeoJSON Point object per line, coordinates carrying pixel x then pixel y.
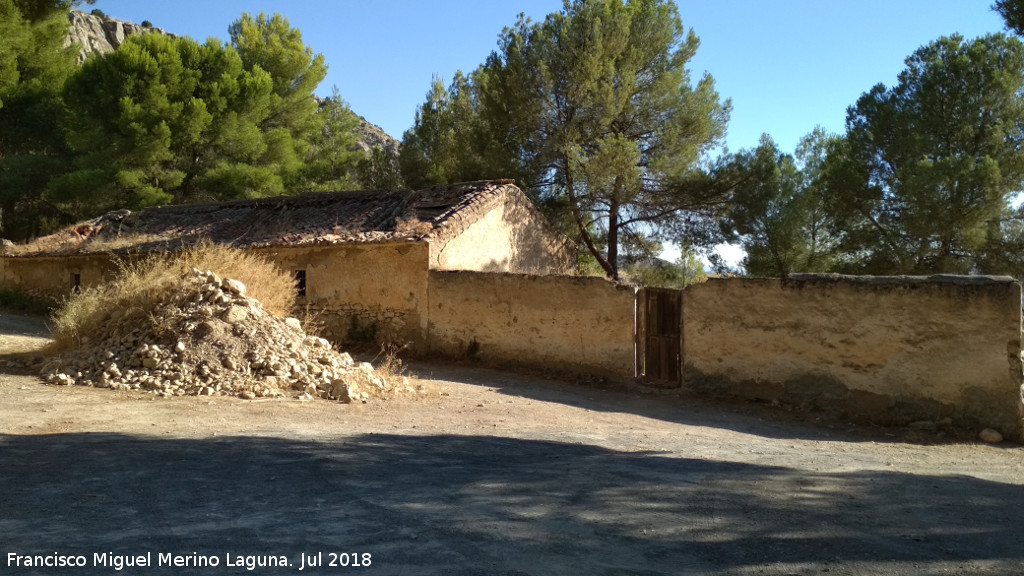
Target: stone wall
{"type": "Point", "coordinates": [363, 292]}
{"type": "Point", "coordinates": [568, 323]}
{"type": "Point", "coordinates": [898, 349]}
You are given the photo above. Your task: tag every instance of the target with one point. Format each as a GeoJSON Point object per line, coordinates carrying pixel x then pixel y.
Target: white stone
{"type": "Point", "coordinates": [233, 286]}
{"type": "Point", "coordinates": [344, 391]}
{"type": "Point", "coordinates": [991, 436]}
{"type": "Point", "coordinates": [235, 314]}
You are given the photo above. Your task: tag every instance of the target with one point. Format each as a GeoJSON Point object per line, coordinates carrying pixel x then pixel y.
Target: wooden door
{"type": "Point", "coordinates": [659, 336]}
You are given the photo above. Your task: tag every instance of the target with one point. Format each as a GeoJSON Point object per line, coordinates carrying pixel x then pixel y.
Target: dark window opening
{"type": "Point", "coordinates": [300, 282]}
{"type": "Point", "coordinates": [76, 283]}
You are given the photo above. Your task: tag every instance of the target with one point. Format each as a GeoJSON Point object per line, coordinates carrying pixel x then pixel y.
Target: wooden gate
{"type": "Point", "coordinates": [659, 346]}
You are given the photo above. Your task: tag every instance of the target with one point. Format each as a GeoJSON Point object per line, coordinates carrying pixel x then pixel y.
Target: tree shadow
{"type": "Point", "coordinates": [448, 504]}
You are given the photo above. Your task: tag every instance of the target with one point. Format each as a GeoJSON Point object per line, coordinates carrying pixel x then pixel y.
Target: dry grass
{"type": "Point", "coordinates": [65, 242]}
{"type": "Point", "coordinates": [143, 283]}
{"type": "Point", "coordinates": [395, 374]}
{"type": "Point", "coordinates": [390, 367]}
{"type": "Point", "coordinates": [412, 227]}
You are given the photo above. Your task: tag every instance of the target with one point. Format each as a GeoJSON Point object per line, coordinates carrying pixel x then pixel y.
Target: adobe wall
{"type": "Point", "coordinates": [356, 292]}
{"type": "Point", "coordinates": [567, 323]}
{"type": "Point", "coordinates": [511, 237]}
{"type": "Point", "coordinates": [363, 292]}
{"type": "Point", "coordinates": [883, 348]}
{"type": "Point", "coordinates": [51, 278]}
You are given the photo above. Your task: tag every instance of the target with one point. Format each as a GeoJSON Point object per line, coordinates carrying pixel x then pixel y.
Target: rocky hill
{"type": "Point", "coordinates": [371, 135]}
{"type": "Point", "coordinates": [99, 35]}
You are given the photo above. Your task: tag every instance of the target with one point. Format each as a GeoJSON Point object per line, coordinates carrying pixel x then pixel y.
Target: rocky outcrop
{"type": "Point", "coordinates": [99, 35]}
{"type": "Point", "coordinates": [372, 136]}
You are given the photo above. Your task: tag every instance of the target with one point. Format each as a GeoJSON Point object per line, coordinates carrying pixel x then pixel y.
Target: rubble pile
{"type": "Point", "coordinates": [205, 337]}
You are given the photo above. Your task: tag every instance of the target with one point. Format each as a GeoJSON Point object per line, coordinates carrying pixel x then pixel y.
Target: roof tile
{"type": "Point", "coordinates": [435, 214]}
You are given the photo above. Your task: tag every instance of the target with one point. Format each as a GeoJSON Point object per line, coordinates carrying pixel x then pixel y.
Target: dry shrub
{"type": "Point", "coordinates": [412, 226]}
{"type": "Point", "coordinates": [141, 284]}
{"type": "Point", "coordinates": [395, 374]}
{"type": "Point", "coordinates": [65, 242]}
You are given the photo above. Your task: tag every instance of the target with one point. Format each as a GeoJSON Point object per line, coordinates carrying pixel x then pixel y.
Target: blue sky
{"type": "Point", "coordinates": [788, 66]}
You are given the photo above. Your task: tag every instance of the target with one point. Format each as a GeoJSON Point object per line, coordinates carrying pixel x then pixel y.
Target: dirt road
{"type": "Point", "coordinates": [488, 474]}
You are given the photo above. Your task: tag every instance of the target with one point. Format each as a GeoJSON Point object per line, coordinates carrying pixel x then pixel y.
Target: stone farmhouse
{"type": "Point", "coordinates": [360, 259]}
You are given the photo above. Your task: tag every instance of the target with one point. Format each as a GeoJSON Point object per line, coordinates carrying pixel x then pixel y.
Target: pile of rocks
{"type": "Point", "coordinates": [204, 336]}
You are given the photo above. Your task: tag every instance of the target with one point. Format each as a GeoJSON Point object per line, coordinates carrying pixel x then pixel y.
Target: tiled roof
{"type": "Point", "coordinates": [435, 215]}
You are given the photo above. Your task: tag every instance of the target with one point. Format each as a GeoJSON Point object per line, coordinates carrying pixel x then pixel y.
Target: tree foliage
{"type": "Point", "coordinates": [685, 271]}
{"type": "Point", "coordinates": [332, 158]}
{"type": "Point", "coordinates": [34, 65]}
{"type": "Point", "coordinates": [380, 170]}
{"type": "Point", "coordinates": [606, 114]}
{"type": "Point", "coordinates": [592, 111]}
{"type": "Point", "coordinates": [923, 181]}
{"type": "Point", "coordinates": [271, 44]}
{"type": "Point", "coordinates": [779, 212]}
{"type": "Point", "coordinates": [165, 120]}
{"type": "Point", "coordinates": [1012, 12]}
{"type": "Point", "coordinates": [168, 120]}
{"type": "Point", "coordinates": [449, 141]}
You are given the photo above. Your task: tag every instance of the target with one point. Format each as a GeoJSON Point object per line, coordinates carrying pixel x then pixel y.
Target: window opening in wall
{"type": "Point", "coordinates": [76, 283]}
{"type": "Point", "coordinates": [300, 282]}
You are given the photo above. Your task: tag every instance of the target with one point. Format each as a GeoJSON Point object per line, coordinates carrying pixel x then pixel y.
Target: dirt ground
{"type": "Point", "coordinates": [489, 473]}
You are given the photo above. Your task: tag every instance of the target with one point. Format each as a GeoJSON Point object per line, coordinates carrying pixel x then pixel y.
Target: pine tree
{"type": "Point", "coordinates": [592, 111]}
{"type": "Point", "coordinates": [34, 65]}
{"type": "Point", "coordinates": [924, 178]}
{"type": "Point", "coordinates": [778, 208]}
{"type": "Point", "coordinates": [272, 45]}
{"type": "Point", "coordinates": [165, 120]}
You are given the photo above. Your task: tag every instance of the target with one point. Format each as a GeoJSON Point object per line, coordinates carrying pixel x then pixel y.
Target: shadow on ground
{"type": "Point", "coordinates": [679, 407]}
{"type": "Point", "coordinates": [486, 505]}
